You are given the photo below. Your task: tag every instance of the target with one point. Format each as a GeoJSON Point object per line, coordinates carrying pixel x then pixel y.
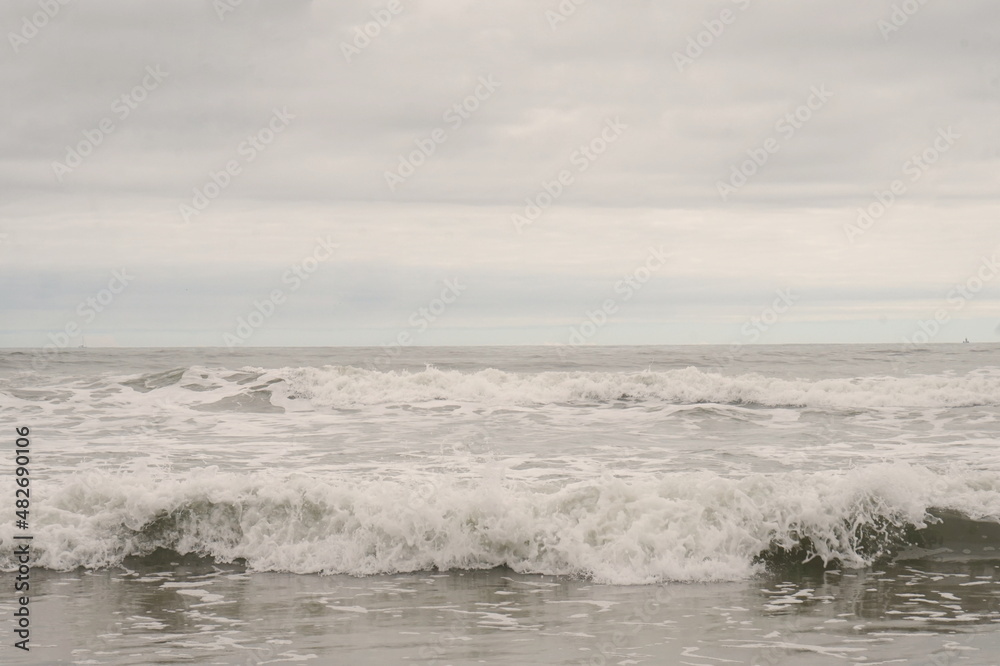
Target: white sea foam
{"type": "Point", "coordinates": [683, 526]}
{"type": "Point", "coordinates": [339, 386]}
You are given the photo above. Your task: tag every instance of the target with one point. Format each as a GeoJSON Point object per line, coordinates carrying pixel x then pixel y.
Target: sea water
{"type": "Point", "coordinates": [800, 504]}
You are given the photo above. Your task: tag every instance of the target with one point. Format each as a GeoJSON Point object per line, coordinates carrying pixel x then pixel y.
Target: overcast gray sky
{"type": "Point", "coordinates": [697, 167]}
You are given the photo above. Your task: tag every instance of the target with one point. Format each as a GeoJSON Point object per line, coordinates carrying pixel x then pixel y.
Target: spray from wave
{"type": "Point", "coordinates": [345, 387]}
{"type": "Point", "coordinates": [674, 527]}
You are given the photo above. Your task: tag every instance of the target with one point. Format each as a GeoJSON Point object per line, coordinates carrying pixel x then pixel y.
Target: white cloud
{"type": "Point", "coordinates": [655, 185]}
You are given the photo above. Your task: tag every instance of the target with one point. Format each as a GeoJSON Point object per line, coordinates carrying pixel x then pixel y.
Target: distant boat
{"type": "Point", "coordinates": [965, 341]}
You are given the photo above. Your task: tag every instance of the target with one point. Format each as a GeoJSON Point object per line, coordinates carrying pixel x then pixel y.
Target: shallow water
{"type": "Point", "coordinates": [916, 613]}
{"type": "Point", "coordinates": [511, 505]}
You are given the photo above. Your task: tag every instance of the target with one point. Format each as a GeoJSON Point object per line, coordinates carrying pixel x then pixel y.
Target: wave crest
{"type": "Point", "coordinates": [346, 386]}
{"type": "Point", "coordinates": [684, 526]}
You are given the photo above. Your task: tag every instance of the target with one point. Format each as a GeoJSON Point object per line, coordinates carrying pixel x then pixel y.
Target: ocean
{"type": "Point", "coordinates": [794, 504]}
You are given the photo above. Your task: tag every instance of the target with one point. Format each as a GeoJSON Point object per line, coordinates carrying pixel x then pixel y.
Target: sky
{"type": "Point", "coordinates": [443, 172]}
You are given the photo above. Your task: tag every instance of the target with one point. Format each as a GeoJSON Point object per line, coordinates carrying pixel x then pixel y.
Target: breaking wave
{"type": "Point", "coordinates": [674, 527]}
{"type": "Point", "coordinates": [348, 386]}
